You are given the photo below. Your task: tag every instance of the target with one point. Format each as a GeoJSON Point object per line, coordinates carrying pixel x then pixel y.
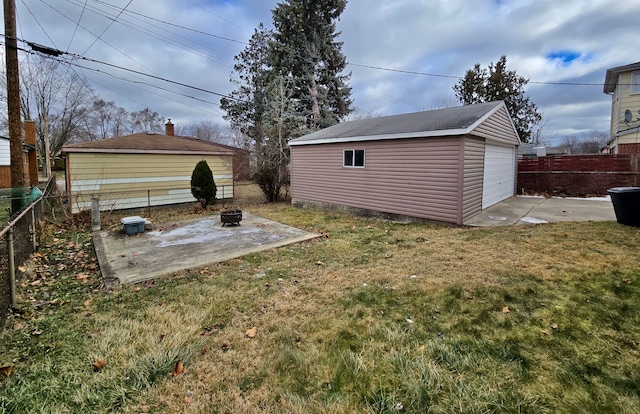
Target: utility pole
{"type": "Point", "coordinates": [13, 104]}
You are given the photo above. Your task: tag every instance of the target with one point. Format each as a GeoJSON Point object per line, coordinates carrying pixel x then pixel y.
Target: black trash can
{"type": "Point", "coordinates": [626, 204]}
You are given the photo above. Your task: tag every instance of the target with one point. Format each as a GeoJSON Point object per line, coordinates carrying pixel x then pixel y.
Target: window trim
{"type": "Point", "coordinates": [634, 87]}
{"type": "Point", "coordinates": [353, 158]}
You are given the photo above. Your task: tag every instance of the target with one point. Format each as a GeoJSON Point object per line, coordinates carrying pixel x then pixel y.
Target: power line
{"type": "Point", "coordinates": [54, 52]}
{"type": "Point", "coordinates": [106, 28]}
{"type": "Point", "coordinates": [137, 26]}
{"type": "Point", "coordinates": [179, 26]}
{"type": "Point", "coordinates": [410, 72]}
{"type": "Point", "coordinates": [75, 30]}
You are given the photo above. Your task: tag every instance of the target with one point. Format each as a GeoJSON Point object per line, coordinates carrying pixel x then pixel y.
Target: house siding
{"type": "Point", "coordinates": [137, 180]}
{"type": "Point", "coordinates": [473, 177]}
{"type": "Point", "coordinates": [498, 128]}
{"type": "Point", "coordinates": [417, 177]}
{"type": "Point", "coordinates": [625, 101]}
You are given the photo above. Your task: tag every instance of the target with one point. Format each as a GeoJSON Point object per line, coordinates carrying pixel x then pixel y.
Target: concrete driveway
{"type": "Point", "coordinates": [530, 209]}
{"type": "Point", "coordinates": [188, 244]}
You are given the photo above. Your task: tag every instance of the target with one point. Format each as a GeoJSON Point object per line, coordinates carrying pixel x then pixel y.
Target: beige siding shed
{"type": "Point", "coordinates": [428, 165]}
{"type": "Point", "coordinates": [142, 170]}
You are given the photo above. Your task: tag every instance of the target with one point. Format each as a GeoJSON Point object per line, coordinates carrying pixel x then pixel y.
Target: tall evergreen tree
{"type": "Point", "coordinates": [304, 47]}
{"type": "Point", "coordinates": [246, 105]}
{"type": "Point", "coordinates": [499, 84]}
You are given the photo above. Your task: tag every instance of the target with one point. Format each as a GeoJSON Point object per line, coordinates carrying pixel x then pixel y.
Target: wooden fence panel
{"type": "Point", "coordinates": [577, 175]}
{"type": "Point", "coordinates": [592, 162]}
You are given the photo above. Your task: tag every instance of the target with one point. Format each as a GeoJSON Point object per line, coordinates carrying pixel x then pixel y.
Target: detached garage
{"type": "Point", "coordinates": [141, 170]}
{"type": "Point", "coordinates": [443, 165]}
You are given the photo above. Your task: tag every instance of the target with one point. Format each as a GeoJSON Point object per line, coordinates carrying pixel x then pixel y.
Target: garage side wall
{"type": "Point", "coordinates": [473, 177]}
{"type": "Point", "coordinates": [124, 181]}
{"type": "Point", "coordinates": [415, 177]}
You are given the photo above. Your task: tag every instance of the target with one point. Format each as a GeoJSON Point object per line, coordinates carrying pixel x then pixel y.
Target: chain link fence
{"type": "Point", "coordinates": [19, 236]}
{"type": "Point", "coordinates": [21, 233]}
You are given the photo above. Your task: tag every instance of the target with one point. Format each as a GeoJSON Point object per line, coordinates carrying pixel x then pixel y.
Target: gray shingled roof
{"type": "Point", "coordinates": [150, 143]}
{"type": "Point", "coordinates": [447, 121]}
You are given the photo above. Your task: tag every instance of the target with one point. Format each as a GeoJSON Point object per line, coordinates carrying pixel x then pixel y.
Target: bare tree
{"type": "Point", "coordinates": [145, 120]}
{"type": "Point", "coordinates": [206, 130]}
{"type": "Point", "coordinates": [56, 98]}
{"type": "Point", "coordinates": [365, 114]}
{"type": "Point", "coordinates": [539, 134]}
{"type": "Point", "coordinates": [586, 143]}
{"type": "Point", "coordinates": [284, 121]}
{"type": "Point", "coordinates": [105, 120]}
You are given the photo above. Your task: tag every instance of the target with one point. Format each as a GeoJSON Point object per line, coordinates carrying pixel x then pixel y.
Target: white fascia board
{"type": "Point", "coordinates": [423, 134]}
{"type": "Point", "coordinates": [142, 152]}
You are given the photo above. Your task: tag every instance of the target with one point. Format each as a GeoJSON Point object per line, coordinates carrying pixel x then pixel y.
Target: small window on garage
{"type": "Point", "coordinates": [353, 158]}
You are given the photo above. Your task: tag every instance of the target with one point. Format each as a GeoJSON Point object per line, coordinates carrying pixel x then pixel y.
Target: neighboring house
{"type": "Point", "coordinates": [443, 165]}
{"type": "Point", "coordinates": [143, 169]}
{"type": "Point", "coordinates": [536, 150]}
{"type": "Point", "coordinates": [623, 84]}
{"type": "Point", "coordinates": [30, 159]}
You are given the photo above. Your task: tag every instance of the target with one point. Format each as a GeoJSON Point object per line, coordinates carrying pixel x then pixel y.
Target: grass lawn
{"type": "Point", "coordinates": [373, 317]}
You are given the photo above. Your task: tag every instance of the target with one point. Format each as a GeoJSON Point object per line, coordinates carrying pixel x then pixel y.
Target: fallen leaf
{"type": "Point", "coordinates": [506, 310]}
{"type": "Point", "coordinates": [187, 400]}
{"type": "Point", "coordinates": [544, 332]}
{"type": "Point", "coordinates": [178, 369]}
{"type": "Point", "coordinates": [6, 370]}
{"type": "Point", "coordinates": [22, 269]}
{"type": "Point", "coordinates": [144, 408]}
{"type": "Point", "coordinates": [87, 302]}
{"type": "Point", "coordinates": [82, 276]}
{"type": "Point", "coordinates": [99, 364]}
{"type": "Point", "coordinates": [554, 326]}
{"type": "Point", "coordinates": [251, 333]}
{"type": "Point", "coordinates": [36, 333]}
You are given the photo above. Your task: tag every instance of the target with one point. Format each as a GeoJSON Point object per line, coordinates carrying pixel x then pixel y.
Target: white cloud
{"type": "Point", "coordinates": [440, 37]}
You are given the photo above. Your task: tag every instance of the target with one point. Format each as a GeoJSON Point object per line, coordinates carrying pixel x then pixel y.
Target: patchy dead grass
{"type": "Point", "coordinates": [374, 316]}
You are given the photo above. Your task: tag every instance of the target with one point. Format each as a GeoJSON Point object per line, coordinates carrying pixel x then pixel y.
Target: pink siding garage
{"type": "Point", "coordinates": [428, 165]}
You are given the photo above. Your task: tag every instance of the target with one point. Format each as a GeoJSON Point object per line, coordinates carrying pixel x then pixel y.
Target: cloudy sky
{"type": "Point", "coordinates": [404, 55]}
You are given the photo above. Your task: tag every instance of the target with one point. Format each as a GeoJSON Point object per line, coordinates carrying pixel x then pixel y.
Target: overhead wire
{"type": "Point", "coordinates": [177, 25]}
{"type": "Point", "coordinates": [106, 28]}
{"type": "Point", "coordinates": [75, 30]}
{"type": "Point", "coordinates": [156, 35]}
{"type": "Point", "coordinates": [104, 41]}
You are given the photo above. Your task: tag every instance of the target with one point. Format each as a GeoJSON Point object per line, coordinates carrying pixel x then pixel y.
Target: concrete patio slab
{"type": "Point", "coordinates": [188, 244]}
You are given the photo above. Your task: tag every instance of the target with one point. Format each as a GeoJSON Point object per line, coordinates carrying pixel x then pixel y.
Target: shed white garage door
{"type": "Point", "coordinates": [499, 174]}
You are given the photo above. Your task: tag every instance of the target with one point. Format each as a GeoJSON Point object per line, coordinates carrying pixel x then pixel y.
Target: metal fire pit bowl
{"type": "Point", "coordinates": [231, 216]}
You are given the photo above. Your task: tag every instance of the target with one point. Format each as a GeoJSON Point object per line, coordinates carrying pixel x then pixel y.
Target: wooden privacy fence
{"type": "Point", "coordinates": [577, 175]}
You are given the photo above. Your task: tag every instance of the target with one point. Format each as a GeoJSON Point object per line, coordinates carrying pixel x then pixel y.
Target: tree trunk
{"type": "Point", "coordinates": [47, 147]}
{"type": "Point", "coordinates": [315, 108]}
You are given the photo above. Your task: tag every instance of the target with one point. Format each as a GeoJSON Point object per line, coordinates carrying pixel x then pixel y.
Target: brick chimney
{"type": "Point", "coordinates": [169, 128]}
{"type": "Point", "coordinates": [30, 139]}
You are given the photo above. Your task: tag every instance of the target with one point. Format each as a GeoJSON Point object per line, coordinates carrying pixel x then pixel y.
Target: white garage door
{"type": "Point", "coordinates": [499, 174]}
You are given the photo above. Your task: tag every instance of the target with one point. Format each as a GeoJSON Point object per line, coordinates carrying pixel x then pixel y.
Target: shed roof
{"type": "Point", "coordinates": [150, 143]}
{"type": "Point", "coordinates": [611, 78]}
{"type": "Point", "coordinates": [439, 122]}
